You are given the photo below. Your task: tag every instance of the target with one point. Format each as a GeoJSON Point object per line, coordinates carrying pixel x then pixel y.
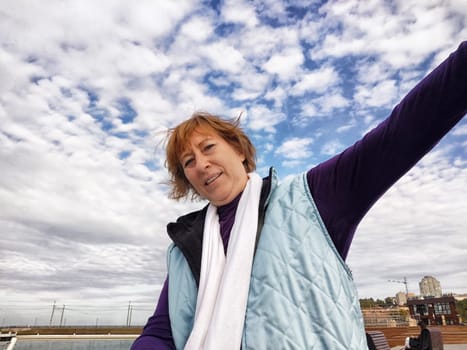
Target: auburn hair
{"type": "Point", "coordinates": [177, 143]}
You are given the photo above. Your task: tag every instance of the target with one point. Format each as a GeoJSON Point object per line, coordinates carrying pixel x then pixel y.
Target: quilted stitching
{"type": "Point", "coordinates": [301, 293]}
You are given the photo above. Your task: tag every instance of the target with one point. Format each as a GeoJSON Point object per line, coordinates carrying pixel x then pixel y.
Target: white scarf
{"type": "Point", "coordinates": [225, 280]}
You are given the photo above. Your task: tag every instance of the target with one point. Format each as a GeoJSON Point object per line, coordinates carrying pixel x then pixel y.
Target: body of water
{"type": "Point", "coordinates": [82, 344]}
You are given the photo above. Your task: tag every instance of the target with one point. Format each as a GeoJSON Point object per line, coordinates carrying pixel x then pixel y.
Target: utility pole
{"type": "Point", "coordinates": [131, 313]}
{"type": "Point", "coordinates": [128, 314]}
{"type": "Point", "coordinates": [61, 318]}
{"type": "Point", "coordinates": [52, 314]}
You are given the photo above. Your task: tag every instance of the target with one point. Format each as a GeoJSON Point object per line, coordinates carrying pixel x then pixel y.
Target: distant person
{"type": "Point", "coordinates": [262, 265]}
{"type": "Point", "coordinates": [423, 341]}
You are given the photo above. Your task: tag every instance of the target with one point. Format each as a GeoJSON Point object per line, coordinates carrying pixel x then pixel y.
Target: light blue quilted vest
{"type": "Point", "coordinates": [301, 292]}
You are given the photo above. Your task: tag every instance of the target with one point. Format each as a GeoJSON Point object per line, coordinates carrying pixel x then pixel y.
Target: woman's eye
{"type": "Point", "coordinates": [187, 162]}
{"type": "Point", "coordinates": [208, 146]}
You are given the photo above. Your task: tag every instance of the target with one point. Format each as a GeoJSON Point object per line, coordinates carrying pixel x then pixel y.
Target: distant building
{"type": "Point", "coordinates": [435, 311]}
{"type": "Point", "coordinates": [430, 287]}
{"type": "Point", "coordinates": [401, 298]}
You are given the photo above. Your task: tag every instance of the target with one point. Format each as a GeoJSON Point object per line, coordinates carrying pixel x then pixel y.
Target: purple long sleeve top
{"type": "Point", "coordinates": [346, 186]}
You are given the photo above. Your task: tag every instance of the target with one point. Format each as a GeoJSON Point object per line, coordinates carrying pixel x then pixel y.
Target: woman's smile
{"type": "Point", "coordinates": [213, 178]}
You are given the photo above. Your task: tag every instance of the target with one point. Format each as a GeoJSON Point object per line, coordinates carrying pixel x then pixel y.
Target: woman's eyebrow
{"type": "Point", "coordinates": [185, 153]}
{"type": "Point", "coordinates": [205, 139]}
{"type": "Point", "coordinates": [189, 150]}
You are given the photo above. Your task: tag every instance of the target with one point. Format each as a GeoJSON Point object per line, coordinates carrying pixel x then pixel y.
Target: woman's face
{"type": "Point", "coordinates": [213, 167]}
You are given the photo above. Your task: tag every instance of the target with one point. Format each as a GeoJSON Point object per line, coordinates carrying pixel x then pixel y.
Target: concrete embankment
{"type": "Point", "coordinates": [75, 336]}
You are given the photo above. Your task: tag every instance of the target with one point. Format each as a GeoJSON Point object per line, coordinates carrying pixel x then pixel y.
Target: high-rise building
{"type": "Point", "coordinates": [430, 287]}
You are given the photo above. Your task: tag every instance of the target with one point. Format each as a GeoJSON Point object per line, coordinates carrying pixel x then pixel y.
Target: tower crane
{"type": "Point", "coordinates": [404, 281]}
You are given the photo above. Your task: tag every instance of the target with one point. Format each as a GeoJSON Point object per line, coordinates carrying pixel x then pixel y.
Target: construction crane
{"type": "Point", "coordinates": [404, 281]}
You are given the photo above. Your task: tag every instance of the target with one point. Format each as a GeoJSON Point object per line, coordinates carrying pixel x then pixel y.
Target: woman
{"type": "Point", "coordinates": [262, 266]}
{"type": "Point", "coordinates": [423, 341]}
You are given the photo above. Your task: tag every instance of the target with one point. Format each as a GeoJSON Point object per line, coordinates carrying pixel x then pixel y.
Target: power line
{"type": "Point", "coordinates": [58, 313]}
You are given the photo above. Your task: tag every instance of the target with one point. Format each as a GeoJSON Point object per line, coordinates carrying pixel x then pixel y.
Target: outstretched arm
{"type": "Point", "coordinates": [346, 186]}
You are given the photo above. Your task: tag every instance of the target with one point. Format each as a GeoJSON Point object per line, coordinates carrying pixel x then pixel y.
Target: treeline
{"type": "Point", "coordinates": [368, 303]}
{"type": "Point", "coordinates": [461, 308]}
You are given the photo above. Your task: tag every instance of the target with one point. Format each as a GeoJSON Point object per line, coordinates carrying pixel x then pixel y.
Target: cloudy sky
{"type": "Point", "coordinates": [88, 89]}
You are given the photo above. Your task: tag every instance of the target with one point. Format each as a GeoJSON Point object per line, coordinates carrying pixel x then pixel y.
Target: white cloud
{"type": "Point", "coordinates": [331, 101]}
{"type": "Point", "coordinates": [260, 43]}
{"type": "Point", "coordinates": [197, 29]}
{"type": "Point", "coordinates": [332, 147]}
{"type": "Point", "coordinates": [295, 148]}
{"type": "Point", "coordinates": [148, 19]}
{"type": "Point", "coordinates": [268, 147]}
{"type": "Point", "coordinates": [224, 57]}
{"type": "Point", "coordinates": [396, 32]}
{"type": "Point", "coordinates": [285, 64]}
{"type": "Point", "coordinates": [382, 94]}
{"type": "Point", "coordinates": [239, 12]}
{"type": "Point", "coordinates": [200, 100]}
{"type": "Point", "coordinates": [260, 117]}
{"type": "Point", "coordinates": [316, 81]}
{"type": "Point", "coordinates": [322, 107]}
{"type": "Point", "coordinates": [369, 72]}
{"type": "Point", "coordinates": [139, 61]}
{"type": "Point", "coordinates": [351, 124]}
{"type": "Point", "coordinates": [278, 94]}
{"type": "Point", "coordinates": [251, 83]}
{"type": "Point", "coordinates": [245, 94]}
{"type": "Point", "coordinates": [14, 79]}
{"type": "Point", "coordinates": [309, 110]}
{"type": "Point", "coordinates": [460, 131]}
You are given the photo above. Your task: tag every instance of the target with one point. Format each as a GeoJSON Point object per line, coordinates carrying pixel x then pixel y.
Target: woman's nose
{"type": "Point", "coordinates": [203, 162]}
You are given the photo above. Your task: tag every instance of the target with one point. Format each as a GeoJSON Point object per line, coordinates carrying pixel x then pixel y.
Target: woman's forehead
{"type": "Point", "coordinates": [199, 132]}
